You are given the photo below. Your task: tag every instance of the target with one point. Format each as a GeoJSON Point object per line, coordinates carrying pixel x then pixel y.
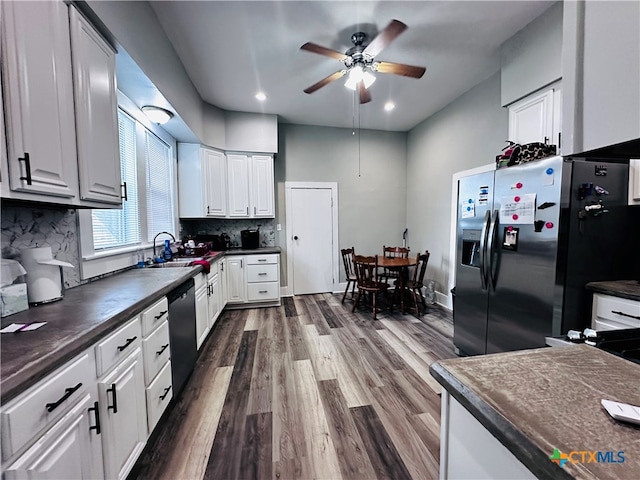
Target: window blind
{"type": "Point", "coordinates": [160, 215]}
{"type": "Point", "coordinates": [113, 228]}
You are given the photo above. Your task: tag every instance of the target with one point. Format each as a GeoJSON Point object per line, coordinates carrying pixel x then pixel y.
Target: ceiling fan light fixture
{"type": "Point", "coordinates": [358, 74]}
{"type": "Point", "coordinates": [156, 114]}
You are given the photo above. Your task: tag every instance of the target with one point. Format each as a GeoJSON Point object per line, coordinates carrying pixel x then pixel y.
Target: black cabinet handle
{"type": "Point", "coordinates": [263, 291]}
{"type": "Point", "coordinates": [208, 210]}
{"type": "Point", "coordinates": [164, 347]}
{"type": "Point", "coordinates": [97, 416]}
{"type": "Point", "coordinates": [159, 316]}
{"type": "Point", "coordinates": [27, 166]}
{"type": "Point", "coordinates": [626, 315]}
{"type": "Point", "coordinates": [295, 237]}
{"type": "Point", "coordinates": [166, 392]}
{"type": "Point", "coordinates": [262, 259]}
{"type": "Point", "coordinates": [113, 407]}
{"type": "Point", "coordinates": [124, 189]}
{"type": "Point", "coordinates": [262, 273]}
{"type": "Point", "coordinates": [67, 393]}
{"type": "Point", "coordinates": [129, 342]}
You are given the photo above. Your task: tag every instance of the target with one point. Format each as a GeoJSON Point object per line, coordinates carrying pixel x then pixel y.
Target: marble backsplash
{"type": "Point", "coordinates": [29, 227]}
{"type": "Point", "coordinates": [267, 227]}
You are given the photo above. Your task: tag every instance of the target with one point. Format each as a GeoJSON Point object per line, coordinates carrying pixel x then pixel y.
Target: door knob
{"type": "Point", "coordinates": [295, 237]}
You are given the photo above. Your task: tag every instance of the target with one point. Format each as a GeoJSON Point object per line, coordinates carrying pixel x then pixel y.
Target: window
{"type": "Point", "coordinates": [110, 238]}
{"type": "Point", "coordinates": [116, 228]}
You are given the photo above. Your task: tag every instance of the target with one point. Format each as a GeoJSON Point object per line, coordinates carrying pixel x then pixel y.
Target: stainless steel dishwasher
{"type": "Point", "coordinates": [182, 334]}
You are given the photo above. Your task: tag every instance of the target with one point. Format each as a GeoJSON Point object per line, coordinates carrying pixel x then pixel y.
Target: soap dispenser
{"type": "Point", "coordinates": [167, 250]}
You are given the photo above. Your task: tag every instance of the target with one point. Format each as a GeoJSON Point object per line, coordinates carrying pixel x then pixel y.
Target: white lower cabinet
{"type": "Point", "coordinates": [202, 314]}
{"type": "Point", "coordinates": [69, 449]}
{"type": "Point", "coordinates": [253, 280]}
{"type": "Point", "coordinates": [612, 313]}
{"type": "Point", "coordinates": [213, 291]}
{"type": "Point", "coordinates": [123, 414]}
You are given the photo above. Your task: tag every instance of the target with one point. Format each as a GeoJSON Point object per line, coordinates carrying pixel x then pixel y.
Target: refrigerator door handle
{"type": "Point", "coordinates": [483, 250]}
{"type": "Point", "coordinates": [492, 269]}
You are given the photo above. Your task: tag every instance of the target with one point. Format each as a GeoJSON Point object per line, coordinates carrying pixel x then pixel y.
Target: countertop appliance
{"type": "Point", "coordinates": [250, 239]}
{"type": "Point", "coordinates": [45, 282]}
{"type": "Point", "coordinates": [182, 334]}
{"type": "Point", "coordinates": [624, 343]}
{"type": "Point", "coordinates": [529, 238]}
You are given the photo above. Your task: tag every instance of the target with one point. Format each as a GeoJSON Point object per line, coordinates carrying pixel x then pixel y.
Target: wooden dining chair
{"type": "Point", "coordinates": [393, 252]}
{"type": "Point", "coordinates": [414, 286]}
{"type": "Point", "coordinates": [347, 259]}
{"type": "Point", "coordinates": [368, 283]}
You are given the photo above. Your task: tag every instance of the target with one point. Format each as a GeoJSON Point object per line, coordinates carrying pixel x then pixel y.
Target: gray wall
{"type": "Point", "coordinates": [371, 205]}
{"type": "Point", "coordinates": [467, 133]}
{"type": "Point", "coordinates": [532, 58]}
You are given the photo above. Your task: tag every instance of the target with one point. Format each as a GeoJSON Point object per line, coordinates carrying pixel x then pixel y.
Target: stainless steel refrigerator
{"type": "Point", "coordinates": [529, 238]}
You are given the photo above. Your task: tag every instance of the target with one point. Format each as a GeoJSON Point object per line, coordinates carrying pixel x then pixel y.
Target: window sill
{"type": "Point", "coordinates": [107, 261]}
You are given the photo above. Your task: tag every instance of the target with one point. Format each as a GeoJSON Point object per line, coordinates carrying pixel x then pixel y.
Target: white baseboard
{"type": "Point", "coordinates": [286, 291]}
{"type": "Point", "coordinates": [444, 300]}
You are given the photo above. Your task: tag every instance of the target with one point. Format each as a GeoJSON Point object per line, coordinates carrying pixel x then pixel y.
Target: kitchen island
{"type": "Point", "coordinates": [504, 415]}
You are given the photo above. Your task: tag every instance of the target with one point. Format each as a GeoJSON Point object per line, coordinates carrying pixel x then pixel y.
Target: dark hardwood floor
{"type": "Point", "coordinates": [308, 390]}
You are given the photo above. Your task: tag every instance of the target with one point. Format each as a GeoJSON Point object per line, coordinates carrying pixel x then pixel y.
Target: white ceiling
{"type": "Point", "coordinates": [232, 49]}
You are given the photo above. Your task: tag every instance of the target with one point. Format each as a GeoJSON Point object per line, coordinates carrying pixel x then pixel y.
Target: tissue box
{"type": "Point", "coordinates": [13, 299]}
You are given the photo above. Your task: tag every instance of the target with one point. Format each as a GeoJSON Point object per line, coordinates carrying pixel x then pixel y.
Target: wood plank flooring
{"type": "Point", "coordinates": [308, 390]}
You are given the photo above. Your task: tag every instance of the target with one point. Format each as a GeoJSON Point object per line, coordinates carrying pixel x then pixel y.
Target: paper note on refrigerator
{"type": "Point", "coordinates": [518, 209]}
{"type": "Point", "coordinates": [468, 209]}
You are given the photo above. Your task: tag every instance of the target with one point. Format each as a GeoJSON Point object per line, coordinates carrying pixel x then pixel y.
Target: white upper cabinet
{"type": "Point", "coordinates": [39, 98]}
{"type": "Point", "coordinates": [59, 90]}
{"type": "Point", "coordinates": [94, 63]}
{"type": "Point", "coordinates": [238, 168]}
{"type": "Point", "coordinates": [262, 186]}
{"type": "Point", "coordinates": [601, 74]}
{"type": "Point", "coordinates": [536, 118]}
{"type": "Point", "coordinates": [202, 182]}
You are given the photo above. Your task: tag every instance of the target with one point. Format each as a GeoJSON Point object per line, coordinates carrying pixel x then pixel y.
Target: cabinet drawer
{"type": "Point", "coordinates": [616, 309]}
{"type": "Point", "coordinates": [159, 394]}
{"type": "Point", "coordinates": [117, 346]}
{"type": "Point", "coordinates": [154, 316]}
{"type": "Point", "coordinates": [261, 259]}
{"type": "Point", "coordinates": [262, 273]}
{"type": "Point", "coordinates": [29, 413]}
{"type": "Point", "coordinates": [262, 291]}
{"type": "Point", "coordinates": [155, 352]}
{"type": "Point", "coordinates": [199, 280]}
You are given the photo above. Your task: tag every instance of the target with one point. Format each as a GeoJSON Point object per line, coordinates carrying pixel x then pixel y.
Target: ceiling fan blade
{"type": "Point", "coordinates": [320, 50]}
{"type": "Point", "coordinates": [400, 69]}
{"type": "Point", "coordinates": [385, 37]}
{"type": "Point", "coordinates": [325, 81]}
{"type": "Point", "coordinates": [365, 95]}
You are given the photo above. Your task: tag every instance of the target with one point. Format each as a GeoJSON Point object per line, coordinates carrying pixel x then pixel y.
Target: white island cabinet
{"type": "Point", "coordinates": [253, 280]}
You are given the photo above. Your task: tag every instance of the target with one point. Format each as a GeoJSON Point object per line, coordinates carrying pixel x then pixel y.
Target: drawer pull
{"type": "Point", "coordinates": [166, 392]}
{"type": "Point", "coordinates": [159, 316]}
{"type": "Point", "coordinates": [263, 291]}
{"type": "Point", "coordinates": [113, 407]}
{"type": "Point", "coordinates": [129, 342]}
{"type": "Point", "coordinates": [262, 273]}
{"type": "Point", "coordinates": [637, 317]}
{"type": "Point", "coordinates": [262, 259]}
{"type": "Point", "coordinates": [164, 347]}
{"type": "Point", "coordinates": [97, 414]}
{"type": "Point", "coordinates": [67, 393]}
{"type": "Point", "coordinates": [27, 166]}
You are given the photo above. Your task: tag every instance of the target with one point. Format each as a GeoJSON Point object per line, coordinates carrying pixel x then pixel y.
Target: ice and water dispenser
{"type": "Point", "coordinates": [471, 248]}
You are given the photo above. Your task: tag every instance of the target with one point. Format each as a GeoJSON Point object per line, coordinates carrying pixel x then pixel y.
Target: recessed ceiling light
{"type": "Point", "coordinates": [389, 106]}
{"type": "Point", "coordinates": [261, 96]}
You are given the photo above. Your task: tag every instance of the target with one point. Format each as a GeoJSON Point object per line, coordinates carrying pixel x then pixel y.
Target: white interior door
{"type": "Point", "coordinates": [311, 228]}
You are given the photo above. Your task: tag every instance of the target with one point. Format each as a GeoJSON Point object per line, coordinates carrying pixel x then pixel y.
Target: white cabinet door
{"type": "Point", "coordinates": [123, 413]}
{"type": "Point", "coordinates": [531, 119]}
{"type": "Point", "coordinates": [39, 98]}
{"type": "Point", "coordinates": [71, 449]}
{"type": "Point", "coordinates": [238, 171]}
{"type": "Point", "coordinates": [214, 299]}
{"type": "Point", "coordinates": [236, 283]}
{"type": "Point", "coordinates": [202, 315]}
{"type": "Point", "coordinates": [94, 79]}
{"type": "Point", "coordinates": [222, 265]}
{"type": "Point", "coordinates": [216, 182]}
{"type": "Point", "coordinates": [262, 186]}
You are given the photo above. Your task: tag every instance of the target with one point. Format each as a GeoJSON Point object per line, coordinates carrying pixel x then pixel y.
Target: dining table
{"type": "Point", "coordinates": [400, 264]}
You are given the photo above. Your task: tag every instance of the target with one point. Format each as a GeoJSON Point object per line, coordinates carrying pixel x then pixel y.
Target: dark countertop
{"type": "Point", "coordinates": [76, 322]}
{"type": "Point", "coordinates": [536, 400]}
{"type": "Point", "coordinates": [620, 288]}
{"type": "Point", "coordinates": [256, 251]}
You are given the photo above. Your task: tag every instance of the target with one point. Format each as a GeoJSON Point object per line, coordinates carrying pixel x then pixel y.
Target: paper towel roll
{"type": "Point", "coordinates": [44, 277]}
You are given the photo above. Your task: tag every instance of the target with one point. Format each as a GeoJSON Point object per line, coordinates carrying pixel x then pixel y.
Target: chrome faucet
{"type": "Point", "coordinates": [154, 241]}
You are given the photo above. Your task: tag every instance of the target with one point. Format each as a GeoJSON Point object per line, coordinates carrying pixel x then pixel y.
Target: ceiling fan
{"type": "Point", "coordinates": [359, 61]}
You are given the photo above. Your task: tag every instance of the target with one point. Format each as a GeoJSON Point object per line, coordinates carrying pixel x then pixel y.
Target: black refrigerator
{"type": "Point", "coordinates": [529, 238]}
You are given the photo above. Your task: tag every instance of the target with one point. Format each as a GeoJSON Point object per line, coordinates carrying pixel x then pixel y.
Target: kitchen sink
{"type": "Point", "coordinates": [183, 262]}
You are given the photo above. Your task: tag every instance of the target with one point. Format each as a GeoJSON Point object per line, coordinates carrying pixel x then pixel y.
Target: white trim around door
{"type": "Point", "coordinates": [333, 186]}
